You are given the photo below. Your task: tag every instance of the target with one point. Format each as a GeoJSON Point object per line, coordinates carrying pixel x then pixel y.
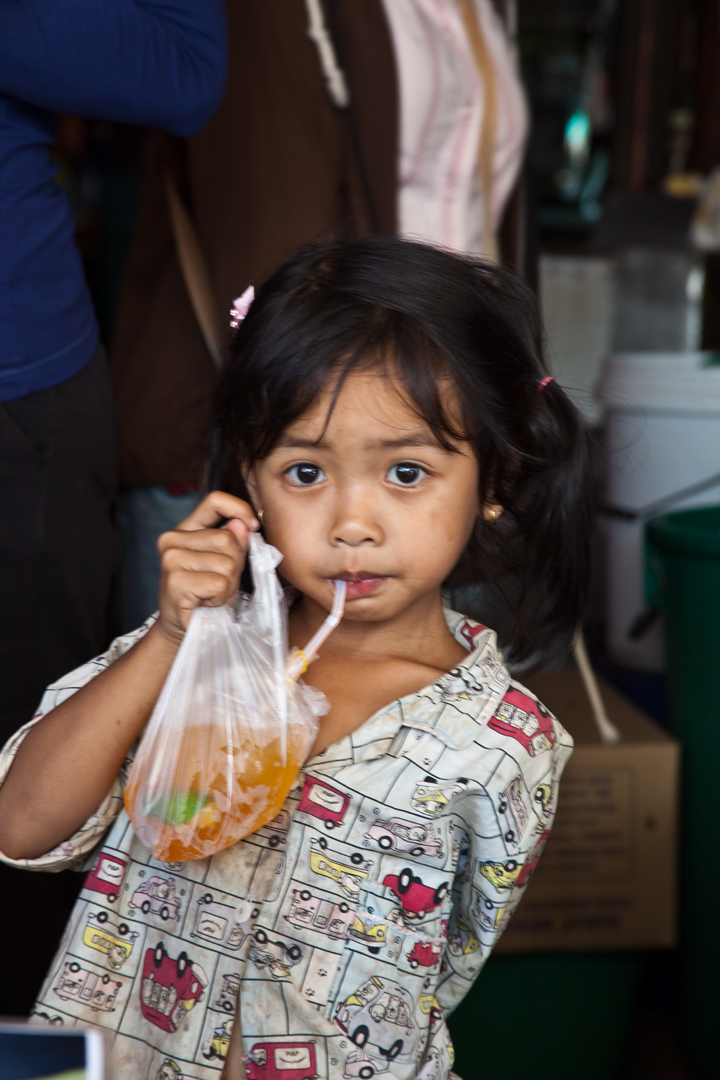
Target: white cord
{"type": "Point", "coordinates": [609, 734]}
{"type": "Point", "coordinates": [334, 74]}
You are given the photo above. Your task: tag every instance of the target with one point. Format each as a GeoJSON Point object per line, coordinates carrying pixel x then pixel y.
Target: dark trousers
{"type": "Point", "coordinates": [58, 551]}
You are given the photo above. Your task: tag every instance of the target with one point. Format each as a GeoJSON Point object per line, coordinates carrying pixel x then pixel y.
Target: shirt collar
{"type": "Point", "coordinates": [455, 708]}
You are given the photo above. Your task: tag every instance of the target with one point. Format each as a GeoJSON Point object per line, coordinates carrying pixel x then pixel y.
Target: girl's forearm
{"type": "Point", "coordinates": [68, 762]}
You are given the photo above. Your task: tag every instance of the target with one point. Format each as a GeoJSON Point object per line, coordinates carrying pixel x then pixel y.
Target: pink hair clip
{"type": "Point", "coordinates": [240, 307]}
{"type": "Point", "coordinates": [548, 379]}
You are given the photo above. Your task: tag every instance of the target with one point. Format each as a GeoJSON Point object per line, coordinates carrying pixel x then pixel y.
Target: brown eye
{"type": "Point", "coordinates": [305, 473]}
{"type": "Point", "coordinates": [406, 473]}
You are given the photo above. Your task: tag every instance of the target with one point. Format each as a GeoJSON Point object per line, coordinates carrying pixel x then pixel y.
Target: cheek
{"type": "Point", "coordinates": [293, 529]}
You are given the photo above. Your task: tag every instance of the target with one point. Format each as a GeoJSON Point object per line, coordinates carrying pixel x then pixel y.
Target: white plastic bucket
{"type": "Point", "coordinates": [662, 436]}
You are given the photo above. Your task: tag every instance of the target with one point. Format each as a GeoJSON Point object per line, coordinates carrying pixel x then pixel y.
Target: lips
{"type": "Point", "coordinates": [361, 583]}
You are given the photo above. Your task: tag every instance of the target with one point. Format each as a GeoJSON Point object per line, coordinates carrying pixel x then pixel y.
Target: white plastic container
{"type": "Point", "coordinates": [662, 436]}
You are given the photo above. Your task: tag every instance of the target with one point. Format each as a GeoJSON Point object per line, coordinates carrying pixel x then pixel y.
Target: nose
{"type": "Point", "coordinates": [356, 521]}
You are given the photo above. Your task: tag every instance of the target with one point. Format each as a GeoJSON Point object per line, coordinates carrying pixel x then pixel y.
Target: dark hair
{"type": "Point", "coordinates": [423, 312]}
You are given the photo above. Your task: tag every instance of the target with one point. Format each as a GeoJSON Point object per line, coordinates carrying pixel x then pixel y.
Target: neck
{"type": "Point", "coordinates": [418, 631]}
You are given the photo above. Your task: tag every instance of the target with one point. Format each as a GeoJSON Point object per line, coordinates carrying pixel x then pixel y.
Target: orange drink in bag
{"type": "Point", "coordinates": [232, 726]}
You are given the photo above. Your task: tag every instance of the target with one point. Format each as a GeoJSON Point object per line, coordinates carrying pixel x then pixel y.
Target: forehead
{"type": "Point", "coordinates": [367, 406]}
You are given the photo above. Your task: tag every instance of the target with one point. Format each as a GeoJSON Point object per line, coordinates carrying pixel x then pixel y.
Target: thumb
{"type": "Point", "coordinates": [239, 530]}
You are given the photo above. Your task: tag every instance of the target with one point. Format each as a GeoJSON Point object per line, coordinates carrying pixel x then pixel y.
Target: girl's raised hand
{"type": "Point", "coordinates": [201, 564]}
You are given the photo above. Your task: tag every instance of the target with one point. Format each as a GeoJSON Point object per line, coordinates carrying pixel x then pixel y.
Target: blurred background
{"type": "Point", "coordinates": [609, 970]}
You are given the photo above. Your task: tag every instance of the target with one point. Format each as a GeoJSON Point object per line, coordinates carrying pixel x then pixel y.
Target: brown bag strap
{"type": "Point", "coordinates": [194, 271]}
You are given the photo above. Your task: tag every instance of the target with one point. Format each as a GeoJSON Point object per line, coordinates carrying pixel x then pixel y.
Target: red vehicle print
{"type": "Point", "coordinates": [470, 633]}
{"type": "Point", "coordinates": [525, 719]}
{"type": "Point", "coordinates": [324, 802]}
{"type": "Point", "coordinates": [425, 954]}
{"type": "Point", "coordinates": [107, 875]}
{"type": "Point", "coordinates": [282, 1061]}
{"type": "Point", "coordinates": [529, 868]}
{"type": "Point", "coordinates": [169, 988]}
{"type": "Point", "coordinates": [416, 899]}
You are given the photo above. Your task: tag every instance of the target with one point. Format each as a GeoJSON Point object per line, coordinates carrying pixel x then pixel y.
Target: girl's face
{"type": "Point", "coordinates": [370, 497]}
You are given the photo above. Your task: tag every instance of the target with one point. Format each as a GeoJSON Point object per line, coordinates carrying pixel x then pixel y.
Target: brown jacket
{"type": "Point", "coordinates": [278, 166]}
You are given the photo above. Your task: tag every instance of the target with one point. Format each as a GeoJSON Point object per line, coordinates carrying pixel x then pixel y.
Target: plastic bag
{"type": "Point", "coordinates": [231, 727]}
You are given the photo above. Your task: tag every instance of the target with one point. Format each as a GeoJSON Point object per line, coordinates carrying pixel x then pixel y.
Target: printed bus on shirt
{"type": "Point", "coordinates": [324, 802]}
{"type": "Point", "coordinates": [107, 876]}
{"type": "Point", "coordinates": [77, 983]}
{"type": "Point", "coordinates": [282, 1061]}
{"type": "Point", "coordinates": [114, 940]}
{"type": "Point", "coordinates": [314, 913]}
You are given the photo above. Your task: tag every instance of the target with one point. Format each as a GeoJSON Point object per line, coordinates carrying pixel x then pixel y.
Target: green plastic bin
{"type": "Point", "coordinates": [685, 549]}
{"type": "Point", "coordinates": [557, 1016]}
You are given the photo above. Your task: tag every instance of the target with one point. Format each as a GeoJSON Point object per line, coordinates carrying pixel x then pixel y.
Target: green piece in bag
{"type": "Point", "coordinates": [177, 808]}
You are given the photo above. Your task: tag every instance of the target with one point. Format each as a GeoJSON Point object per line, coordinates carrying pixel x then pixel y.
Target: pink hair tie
{"type": "Point", "coordinates": [240, 307]}
{"type": "Point", "coordinates": [548, 379]}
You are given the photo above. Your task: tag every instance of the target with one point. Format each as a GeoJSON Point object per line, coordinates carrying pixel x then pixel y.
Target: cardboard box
{"type": "Point", "coordinates": [607, 877]}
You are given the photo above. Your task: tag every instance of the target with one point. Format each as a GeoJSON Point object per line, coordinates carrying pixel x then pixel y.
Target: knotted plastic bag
{"type": "Point", "coordinates": [231, 727]}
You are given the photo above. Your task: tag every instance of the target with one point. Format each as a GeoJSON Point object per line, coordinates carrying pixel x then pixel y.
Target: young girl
{"type": "Point", "coordinates": [386, 419]}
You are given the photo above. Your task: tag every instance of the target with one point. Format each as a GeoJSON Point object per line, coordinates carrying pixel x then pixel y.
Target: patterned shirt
{"type": "Point", "coordinates": [349, 927]}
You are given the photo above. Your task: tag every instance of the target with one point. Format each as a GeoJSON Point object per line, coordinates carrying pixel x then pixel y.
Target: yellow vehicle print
{"type": "Point", "coordinates": [543, 792]}
{"type": "Point", "coordinates": [432, 796]}
{"type": "Point", "coordinates": [372, 933]}
{"type": "Point", "coordinates": [218, 1040]}
{"type": "Point", "coordinates": [349, 876]}
{"type": "Point", "coordinates": [501, 875]}
{"type": "Point", "coordinates": [428, 1006]}
{"type": "Point", "coordinates": [461, 940]}
{"type": "Point", "coordinates": [115, 941]}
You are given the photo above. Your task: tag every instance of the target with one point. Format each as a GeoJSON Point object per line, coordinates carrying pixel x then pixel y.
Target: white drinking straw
{"type": "Point", "coordinates": [298, 660]}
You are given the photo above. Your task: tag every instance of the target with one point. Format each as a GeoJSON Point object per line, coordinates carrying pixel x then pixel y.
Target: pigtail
{"type": "Point", "coordinates": [548, 507]}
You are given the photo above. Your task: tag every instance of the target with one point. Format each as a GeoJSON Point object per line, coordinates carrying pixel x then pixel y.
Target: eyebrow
{"type": "Point", "coordinates": [294, 442]}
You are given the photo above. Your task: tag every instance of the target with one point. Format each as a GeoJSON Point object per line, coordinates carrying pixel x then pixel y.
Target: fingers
{"type": "Point", "coordinates": [192, 588]}
{"type": "Point", "coordinates": [219, 541]}
{"type": "Point", "coordinates": [216, 506]}
{"type": "Point", "coordinates": [202, 564]}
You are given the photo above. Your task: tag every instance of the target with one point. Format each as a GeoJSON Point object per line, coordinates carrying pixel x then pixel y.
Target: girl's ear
{"type": "Point", "coordinates": [253, 490]}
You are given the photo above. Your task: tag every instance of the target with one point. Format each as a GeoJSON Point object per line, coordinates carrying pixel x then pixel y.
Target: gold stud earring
{"type": "Point", "coordinates": [493, 512]}
{"type": "Point", "coordinates": [259, 516]}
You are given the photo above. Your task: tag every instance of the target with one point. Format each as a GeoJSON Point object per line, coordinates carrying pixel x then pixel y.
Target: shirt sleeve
{"type": "Point", "coordinates": [489, 885]}
{"type": "Point", "coordinates": [74, 851]}
{"type": "Point", "coordinates": [161, 63]}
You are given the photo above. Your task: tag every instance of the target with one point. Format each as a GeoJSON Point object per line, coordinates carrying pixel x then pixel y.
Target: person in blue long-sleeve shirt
{"type": "Point", "coordinates": [160, 63]}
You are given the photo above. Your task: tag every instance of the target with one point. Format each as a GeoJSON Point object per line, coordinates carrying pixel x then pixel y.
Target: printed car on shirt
{"type": "Point", "coordinates": [416, 899]}
{"type": "Point", "coordinates": [525, 719]}
{"type": "Point", "coordinates": [433, 796]}
{"type": "Point", "coordinates": [397, 834]}
{"type": "Point", "coordinates": [157, 895]}
{"type": "Point", "coordinates": [169, 988]}
{"type": "Point", "coordinates": [380, 1014]}
{"type": "Point", "coordinates": [218, 1040]}
{"type": "Point", "coordinates": [276, 956]}
{"type": "Point", "coordinates": [358, 1063]}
